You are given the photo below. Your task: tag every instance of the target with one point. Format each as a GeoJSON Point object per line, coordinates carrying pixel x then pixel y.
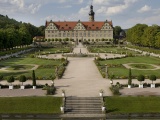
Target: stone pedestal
{"type": "Point", "coordinates": [140, 85]}
{"type": "Point", "coordinates": [62, 109]}
{"type": "Point", "coordinates": [129, 86]}
{"type": "Point", "coordinates": [63, 94]}
{"type": "Point", "coordinates": [11, 87]}
{"type": "Point", "coordinates": [103, 109]}
{"type": "Point", "coordinates": [34, 87]}
{"type": "Point", "coordinates": [152, 85]}
{"type": "Point", "coordinates": [101, 94]}
{"type": "Point", "coordinates": [22, 87]}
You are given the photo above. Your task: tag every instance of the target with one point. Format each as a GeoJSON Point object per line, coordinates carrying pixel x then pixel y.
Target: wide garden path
{"type": "Point", "coordinates": [82, 78]}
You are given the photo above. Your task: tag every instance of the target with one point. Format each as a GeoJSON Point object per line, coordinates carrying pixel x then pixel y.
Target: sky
{"type": "Point", "coordinates": [124, 13]}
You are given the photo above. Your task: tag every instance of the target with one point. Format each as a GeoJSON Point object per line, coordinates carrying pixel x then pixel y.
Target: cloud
{"type": "Point", "coordinates": [34, 8]}
{"type": "Point", "coordinates": [150, 20]}
{"type": "Point", "coordinates": [67, 6]}
{"type": "Point", "coordinates": [84, 11]}
{"type": "Point", "coordinates": [101, 2]}
{"type": "Point", "coordinates": [72, 17]}
{"type": "Point", "coordinates": [145, 8]}
{"type": "Point", "coordinates": [115, 8]}
{"type": "Point", "coordinates": [18, 6]}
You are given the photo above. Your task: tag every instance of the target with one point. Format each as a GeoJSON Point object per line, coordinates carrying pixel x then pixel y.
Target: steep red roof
{"type": "Point", "coordinates": [65, 25]}
{"type": "Point", "coordinates": [69, 25]}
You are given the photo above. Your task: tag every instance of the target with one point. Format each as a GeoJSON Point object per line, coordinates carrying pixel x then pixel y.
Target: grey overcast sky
{"type": "Point", "coordinates": [124, 13]}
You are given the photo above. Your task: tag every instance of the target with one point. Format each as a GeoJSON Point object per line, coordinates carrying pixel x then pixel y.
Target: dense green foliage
{"type": "Point", "coordinates": [143, 35]}
{"type": "Point", "coordinates": [1, 77]}
{"type": "Point", "coordinates": [33, 78]}
{"type": "Point", "coordinates": [13, 33]}
{"type": "Point", "coordinates": [118, 32]}
{"type": "Point", "coordinates": [130, 77]}
{"type": "Point", "coordinates": [30, 105]}
{"type": "Point", "coordinates": [152, 78]}
{"type": "Point", "coordinates": [10, 79]}
{"type": "Point", "coordinates": [132, 104]}
{"type": "Point", "coordinates": [141, 78]}
{"type": "Point", "coordinates": [22, 78]}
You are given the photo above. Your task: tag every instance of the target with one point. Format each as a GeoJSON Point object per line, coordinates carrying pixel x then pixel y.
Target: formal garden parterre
{"type": "Point", "coordinates": [116, 67]}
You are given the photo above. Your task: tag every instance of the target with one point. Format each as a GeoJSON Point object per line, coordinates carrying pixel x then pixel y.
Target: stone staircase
{"type": "Point", "coordinates": [83, 107]}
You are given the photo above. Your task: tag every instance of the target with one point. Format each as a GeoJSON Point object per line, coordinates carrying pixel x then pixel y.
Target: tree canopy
{"type": "Point", "coordinates": [14, 33]}
{"type": "Point", "coordinates": [144, 35]}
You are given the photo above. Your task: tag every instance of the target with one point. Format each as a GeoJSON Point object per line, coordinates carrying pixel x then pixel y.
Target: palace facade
{"type": "Point", "coordinates": [80, 30]}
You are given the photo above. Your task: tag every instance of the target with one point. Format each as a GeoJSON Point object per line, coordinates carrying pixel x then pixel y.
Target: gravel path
{"type": "Point", "coordinates": [82, 79]}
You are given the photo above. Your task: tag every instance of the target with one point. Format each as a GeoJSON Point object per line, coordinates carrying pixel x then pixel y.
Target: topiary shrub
{"type": "Point", "coordinates": [141, 78]}
{"type": "Point", "coordinates": [22, 79]}
{"type": "Point", "coordinates": [152, 78]}
{"type": "Point", "coordinates": [10, 79]}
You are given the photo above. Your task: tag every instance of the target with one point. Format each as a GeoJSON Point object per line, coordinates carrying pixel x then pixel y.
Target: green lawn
{"type": "Point", "coordinates": [143, 59]}
{"type": "Point", "coordinates": [56, 50]}
{"type": "Point", "coordinates": [40, 72]}
{"type": "Point", "coordinates": [122, 72]}
{"type": "Point", "coordinates": [30, 105]}
{"type": "Point", "coordinates": [132, 104]}
{"type": "Point", "coordinates": [115, 50]}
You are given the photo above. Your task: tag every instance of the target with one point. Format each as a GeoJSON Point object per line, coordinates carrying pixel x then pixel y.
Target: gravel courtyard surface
{"type": "Point", "coordinates": [140, 91]}
{"type": "Point", "coordinates": [82, 79]}
{"type": "Point", "coordinates": [18, 92]}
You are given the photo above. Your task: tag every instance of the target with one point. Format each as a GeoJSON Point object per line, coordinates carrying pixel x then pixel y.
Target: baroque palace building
{"type": "Point", "coordinates": [80, 30]}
